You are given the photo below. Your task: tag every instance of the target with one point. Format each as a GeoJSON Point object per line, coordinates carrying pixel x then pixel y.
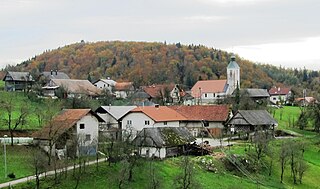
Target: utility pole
{"type": "Point", "coordinates": [5, 156]}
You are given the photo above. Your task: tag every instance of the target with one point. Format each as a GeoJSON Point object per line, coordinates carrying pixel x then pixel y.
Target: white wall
{"type": "Point", "coordinates": [149, 151]}
{"type": "Point", "coordinates": [105, 85]}
{"type": "Point", "coordinates": [91, 127]}
{"type": "Point", "coordinates": [137, 122]}
{"type": "Point", "coordinates": [276, 98]}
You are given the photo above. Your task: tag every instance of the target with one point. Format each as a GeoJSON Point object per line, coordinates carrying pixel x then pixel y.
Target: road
{"type": "Point", "coordinates": [214, 142]}
{"type": "Point", "coordinates": [30, 178]}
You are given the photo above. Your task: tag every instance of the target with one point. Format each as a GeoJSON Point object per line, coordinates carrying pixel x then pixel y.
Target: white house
{"type": "Point", "coordinates": [279, 95]}
{"type": "Point", "coordinates": [107, 84]}
{"type": "Point", "coordinates": [210, 91]}
{"type": "Point", "coordinates": [123, 89]}
{"type": "Point", "coordinates": [148, 117]}
{"type": "Point", "coordinates": [112, 116]}
{"type": "Point", "coordinates": [72, 130]}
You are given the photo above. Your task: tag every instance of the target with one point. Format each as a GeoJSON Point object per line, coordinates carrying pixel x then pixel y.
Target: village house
{"type": "Point", "coordinates": [75, 131]}
{"type": "Point", "coordinates": [205, 119]}
{"type": "Point", "coordinates": [280, 95]}
{"type": "Point", "coordinates": [105, 84]}
{"type": "Point", "coordinates": [112, 116]}
{"type": "Point", "coordinates": [306, 101]}
{"type": "Point", "coordinates": [211, 91]}
{"type": "Point", "coordinates": [251, 120]}
{"type": "Point", "coordinates": [123, 89]}
{"type": "Point", "coordinates": [162, 142]}
{"type": "Point", "coordinates": [17, 81]}
{"type": "Point", "coordinates": [164, 93]}
{"type": "Point", "coordinates": [70, 88]}
{"type": "Point", "coordinates": [149, 116]}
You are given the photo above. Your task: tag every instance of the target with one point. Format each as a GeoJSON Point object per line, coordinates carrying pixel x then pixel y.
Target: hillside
{"type": "Point", "coordinates": [147, 63]}
{"type": "Point", "coordinates": [144, 63]}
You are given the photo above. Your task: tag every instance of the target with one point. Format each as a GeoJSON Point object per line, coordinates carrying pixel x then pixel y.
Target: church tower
{"type": "Point", "coordinates": [233, 75]}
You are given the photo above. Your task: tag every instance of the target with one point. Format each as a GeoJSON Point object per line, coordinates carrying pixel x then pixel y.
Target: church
{"type": "Point", "coordinates": [210, 91]}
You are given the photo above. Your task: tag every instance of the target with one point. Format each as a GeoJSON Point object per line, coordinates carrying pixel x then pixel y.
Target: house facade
{"type": "Point", "coordinates": [165, 93]}
{"type": "Point", "coordinates": [106, 84]}
{"type": "Point", "coordinates": [123, 89]}
{"type": "Point", "coordinates": [17, 81]}
{"type": "Point", "coordinates": [280, 95]}
{"type": "Point", "coordinates": [74, 131]}
{"type": "Point", "coordinates": [148, 117]}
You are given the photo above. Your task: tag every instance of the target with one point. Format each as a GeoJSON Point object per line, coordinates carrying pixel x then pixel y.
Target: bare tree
{"type": "Point", "coordinates": [39, 164]}
{"type": "Point", "coordinates": [12, 118]}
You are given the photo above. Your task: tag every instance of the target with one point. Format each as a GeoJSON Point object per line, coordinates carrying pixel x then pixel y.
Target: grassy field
{"type": "Point", "coordinates": [19, 161]}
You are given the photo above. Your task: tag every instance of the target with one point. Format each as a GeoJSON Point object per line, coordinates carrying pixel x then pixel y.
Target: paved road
{"type": "Point", "coordinates": [29, 178]}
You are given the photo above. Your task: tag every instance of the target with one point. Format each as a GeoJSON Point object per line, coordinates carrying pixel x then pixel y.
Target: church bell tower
{"type": "Point", "coordinates": [233, 75]}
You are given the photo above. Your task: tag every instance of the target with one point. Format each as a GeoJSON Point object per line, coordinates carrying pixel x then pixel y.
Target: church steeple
{"type": "Point", "coordinates": [233, 75]}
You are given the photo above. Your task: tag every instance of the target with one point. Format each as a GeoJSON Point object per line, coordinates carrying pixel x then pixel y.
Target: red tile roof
{"type": "Point", "coordinates": [162, 113]}
{"type": "Point", "coordinates": [208, 86]}
{"type": "Point", "coordinates": [208, 112]}
{"type": "Point", "coordinates": [65, 120]}
{"type": "Point", "coordinates": [123, 86]}
{"type": "Point", "coordinates": [156, 90]}
{"type": "Point", "coordinates": [279, 91]}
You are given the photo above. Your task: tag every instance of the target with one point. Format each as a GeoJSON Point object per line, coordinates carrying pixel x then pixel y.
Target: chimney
{"type": "Point", "coordinates": [51, 72]}
{"type": "Point", "coordinates": [156, 106]}
{"type": "Point", "coordinates": [278, 89]}
{"type": "Point", "coordinates": [56, 72]}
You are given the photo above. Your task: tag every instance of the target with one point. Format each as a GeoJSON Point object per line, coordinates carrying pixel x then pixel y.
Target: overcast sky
{"type": "Point", "coordinates": [279, 32]}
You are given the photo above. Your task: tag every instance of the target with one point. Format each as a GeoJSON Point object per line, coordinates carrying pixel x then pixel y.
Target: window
{"type": "Point", "coordinates": [81, 125]}
{"type": "Point", "coordinates": [205, 95]}
{"type": "Point", "coordinates": [88, 137]}
{"type": "Point", "coordinates": [147, 122]}
{"type": "Point", "coordinates": [274, 98]}
{"type": "Point", "coordinates": [129, 122]}
{"type": "Point", "coordinates": [165, 123]}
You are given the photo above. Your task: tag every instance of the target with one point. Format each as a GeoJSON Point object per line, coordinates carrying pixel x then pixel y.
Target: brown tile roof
{"type": "Point", "coordinates": [279, 91]}
{"type": "Point", "coordinates": [65, 120]}
{"type": "Point", "coordinates": [156, 90]}
{"type": "Point", "coordinates": [123, 86]}
{"type": "Point", "coordinates": [208, 112]}
{"type": "Point", "coordinates": [77, 86]}
{"type": "Point", "coordinates": [161, 113]}
{"type": "Point", "coordinates": [208, 86]}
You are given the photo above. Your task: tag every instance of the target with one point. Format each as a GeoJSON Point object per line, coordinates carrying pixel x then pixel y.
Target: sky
{"type": "Point", "coordinates": [280, 32]}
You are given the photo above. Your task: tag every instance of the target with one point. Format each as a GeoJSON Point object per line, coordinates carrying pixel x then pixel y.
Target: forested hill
{"type": "Point", "coordinates": [147, 63]}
